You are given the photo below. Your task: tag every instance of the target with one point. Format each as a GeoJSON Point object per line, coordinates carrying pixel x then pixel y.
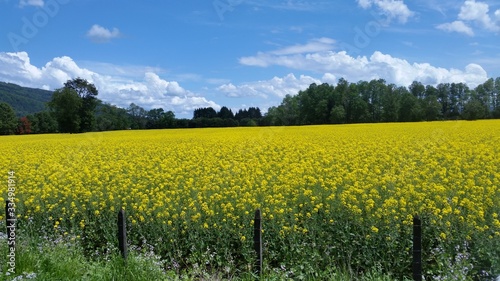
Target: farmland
{"type": "Point", "coordinates": [331, 196]}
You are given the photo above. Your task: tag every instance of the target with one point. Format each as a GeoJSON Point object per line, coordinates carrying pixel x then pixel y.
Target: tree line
{"type": "Point", "coordinates": [75, 108]}
{"type": "Point", "coordinates": [377, 101]}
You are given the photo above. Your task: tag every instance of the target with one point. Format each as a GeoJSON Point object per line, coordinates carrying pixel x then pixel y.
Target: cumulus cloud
{"type": "Point", "coordinates": [37, 3]}
{"type": "Point", "coordinates": [378, 65]}
{"type": "Point", "coordinates": [477, 13]}
{"type": "Point", "coordinates": [275, 87]}
{"type": "Point", "coordinates": [392, 9]}
{"type": "Point", "coordinates": [456, 26]}
{"type": "Point", "coordinates": [100, 34]}
{"type": "Point", "coordinates": [151, 91]}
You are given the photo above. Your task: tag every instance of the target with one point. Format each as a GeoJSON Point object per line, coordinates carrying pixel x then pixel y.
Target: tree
{"type": "Point", "coordinates": [371, 93]}
{"type": "Point", "coordinates": [410, 109]}
{"type": "Point", "coordinates": [138, 116]}
{"type": "Point", "coordinates": [430, 104]}
{"type": "Point", "coordinates": [159, 119]}
{"type": "Point", "coordinates": [250, 113]}
{"type": "Point", "coordinates": [254, 113]}
{"type": "Point", "coordinates": [474, 109]}
{"type": "Point", "coordinates": [154, 116]}
{"type": "Point", "coordinates": [390, 101]}
{"type": "Point", "coordinates": [417, 89]}
{"type": "Point", "coordinates": [23, 126]}
{"type": "Point", "coordinates": [443, 97]}
{"type": "Point", "coordinates": [271, 118]}
{"type": "Point", "coordinates": [206, 112]}
{"type": "Point", "coordinates": [356, 108]}
{"type": "Point", "coordinates": [225, 113]}
{"type": "Point", "coordinates": [88, 93]}
{"type": "Point", "coordinates": [110, 117]}
{"type": "Point", "coordinates": [43, 122]}
{"type": "Point", "coordinates": [8, 119]}
{"type": "Point", "coordinates": [337, 114]}
{"type": "Point", "coordinates": [288, 111]}
{"type": "Point", "coordinates": [431, 108]}
{"type": "Point", "coordinates": [167, 120]}
{"type": "Point", "coordinates": [315, 103]}
{"type": "Point", "coordinates": [458, 97]}
{"type": "Point", "coordinates": [65, 105]}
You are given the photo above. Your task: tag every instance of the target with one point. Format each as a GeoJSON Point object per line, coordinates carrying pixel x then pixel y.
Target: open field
{"type": "Point", "coordinates": [331, 196]}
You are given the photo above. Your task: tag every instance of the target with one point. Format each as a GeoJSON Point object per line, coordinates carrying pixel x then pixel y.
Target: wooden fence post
{"type": "Point", "coordinates": [122, 234]}
{"type": "Point", "coordinates": [417, 249]}
{"type": "Point", "coordinates": [257, 241]}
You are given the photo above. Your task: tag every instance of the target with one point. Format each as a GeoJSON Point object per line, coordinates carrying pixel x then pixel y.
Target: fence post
{"type": "Point", "coordinates": [122, 234]}
{"type": "Point", "coordinates": [257, 241]}
{"type": "Point", "coordinates": [417, 249]}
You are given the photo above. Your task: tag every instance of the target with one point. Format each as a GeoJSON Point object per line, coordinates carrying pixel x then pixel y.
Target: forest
{"type": "Point", "coordinates": [75, 108]}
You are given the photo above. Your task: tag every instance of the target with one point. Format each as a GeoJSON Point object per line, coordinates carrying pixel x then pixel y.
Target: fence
{"type": "Point", "coordinates": [257, 239]}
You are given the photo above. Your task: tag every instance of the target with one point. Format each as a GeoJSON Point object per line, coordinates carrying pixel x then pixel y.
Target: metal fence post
{"type": "Point", "coordinates": [417, 249]}
{"type": "Point", "coordinates": [122, 234]}
{"type": "Point", "coordinates": [257, 241]}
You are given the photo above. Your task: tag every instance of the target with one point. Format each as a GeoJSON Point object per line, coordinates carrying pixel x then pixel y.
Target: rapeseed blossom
{"type": "Point", "coordinates": [376, 175]}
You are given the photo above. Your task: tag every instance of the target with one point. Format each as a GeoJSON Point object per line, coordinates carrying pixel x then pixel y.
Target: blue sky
{"type": "Point", "coordinates": [182, 55]}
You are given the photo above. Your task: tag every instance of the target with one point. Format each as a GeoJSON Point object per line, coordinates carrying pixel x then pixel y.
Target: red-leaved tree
{"type": "Point", "coordinates": [24, 126]}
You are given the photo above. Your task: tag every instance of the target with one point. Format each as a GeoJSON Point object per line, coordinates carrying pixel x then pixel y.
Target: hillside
{"type": "Point", "coordinates": [24, 100]}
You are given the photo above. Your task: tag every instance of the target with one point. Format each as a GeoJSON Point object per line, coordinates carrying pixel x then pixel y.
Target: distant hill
{"type": "Point", "coordinates": [24, 100]}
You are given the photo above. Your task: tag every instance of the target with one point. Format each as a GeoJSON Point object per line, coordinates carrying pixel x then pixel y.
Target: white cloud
{"type": "Point", "coordinates": [392, 9]}
{"type": "Point", "coordinates": [149, 91]}
{"type": "Point", "coordinates": [100, 34]}
{"type": "Point", "coordinates": [315, 45]}
{"type": "Point", "coordinates": [472, 12]}
{"type": "Point", "coordinates": [378, 65]}
{"type": "Point", "coordinates": [477, 12]}
{"type": "Point", "coordinates": [329, 78]}
{"type": "Point", "coordinates": [294, 5]}
{"type": "Point", "coordinates": [456, 26]}
{"type": "Point", "coordinates": [37, 3]}
{"type": "Point", "coordinates": [275, 87]}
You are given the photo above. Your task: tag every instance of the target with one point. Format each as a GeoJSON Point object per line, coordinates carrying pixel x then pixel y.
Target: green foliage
{"type": "Point", "coordinates": [376, 101]}
{"type": "Point", "coordinates": [110, 117]}
{"type": "Point", "coordinates": [225, 113]}
{"type": "Point", "coordinates": [65, 105]}
{"type": "Point", "coordinates": [24, 100]}
{"type": "Point", "coordinates": [63, 258]}
{"type": "Point", "coordinates": [364, 101]}
{"type": "Point", "coordinates": [43, 122]}
{"type": "Point", "coordinates": [207, 112]}
{"type": "Point", "coordinates": [87, 93]}
{"type": "Point", "coordinates": [8, 120]}
{"type": "Point", "coordinates": [474, 110]}
{"type": "Point", "coordinates": [73, 106]}
{"type": "Point", "coordinates": [337, 115]}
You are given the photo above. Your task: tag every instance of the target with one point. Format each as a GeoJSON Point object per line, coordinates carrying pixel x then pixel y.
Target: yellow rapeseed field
{"type": "Point", "coordinates": [373, 175]}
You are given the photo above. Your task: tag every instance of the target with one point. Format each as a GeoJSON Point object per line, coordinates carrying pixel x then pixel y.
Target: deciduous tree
{"type": "Point", "coordinates": [8, 120]}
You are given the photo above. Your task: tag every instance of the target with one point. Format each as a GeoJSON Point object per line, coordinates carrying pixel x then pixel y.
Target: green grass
{"type": "Point", "coordinates": [63, 259]}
